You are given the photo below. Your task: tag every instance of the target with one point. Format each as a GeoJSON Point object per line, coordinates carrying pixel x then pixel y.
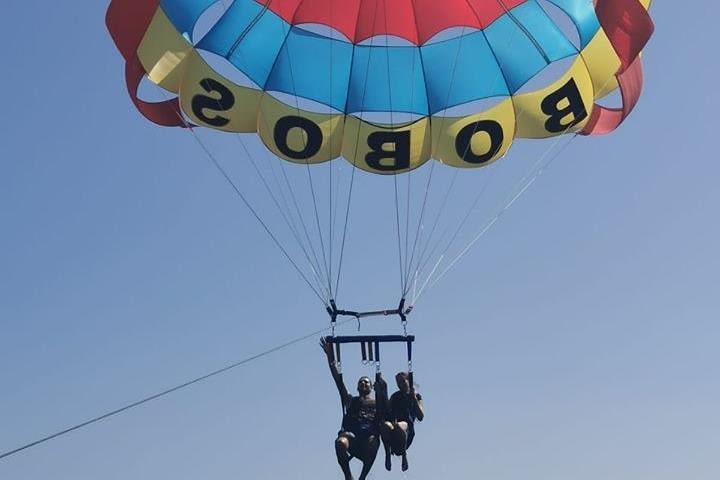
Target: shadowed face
{"type": "Point", "coordinates": [364, 386]}
{"type": "Point", "coordinates": [403, 382]}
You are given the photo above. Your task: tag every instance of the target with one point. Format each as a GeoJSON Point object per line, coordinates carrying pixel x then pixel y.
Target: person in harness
{"type": "Point", "coordinates": [398, 431]}
{"type": "Point", "coordinates": [359, 436]}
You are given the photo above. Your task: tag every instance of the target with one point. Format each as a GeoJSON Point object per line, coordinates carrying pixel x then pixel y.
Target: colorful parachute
{"type": "Point", "coordinates": [386, 84]}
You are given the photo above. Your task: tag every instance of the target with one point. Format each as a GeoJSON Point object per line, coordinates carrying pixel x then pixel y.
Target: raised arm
{"type": "Point", "coordinates": [336, 375]}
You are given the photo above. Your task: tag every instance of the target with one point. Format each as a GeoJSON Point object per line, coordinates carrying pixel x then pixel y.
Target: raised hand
{"type": "Point", "coordinates": [327, 348]}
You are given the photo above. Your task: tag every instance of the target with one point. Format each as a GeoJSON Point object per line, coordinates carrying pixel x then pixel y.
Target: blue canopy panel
{"type": "Point", "coordinates": [314, 67]}
{"type": "Point", "coordinates": [184, 14]}
{"type": "Point", "coordinates": [583, 16]}
{"type": "Point", "coordinates": [461, 70]}
{"type": "Point", "coordinates": [250, 37]}
{"type": "Point", "coordinates": [497, 61]}
{"type": "Point", "coordinates": [525, 41]}
{"type": "Point", "coordinates": [387, 79]}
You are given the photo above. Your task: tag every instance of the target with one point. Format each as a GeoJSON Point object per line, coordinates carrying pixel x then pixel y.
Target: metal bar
{"type": "Point", "coordinates": [374, 313]}
{"type": "Point", "coordinates": [371, 338]}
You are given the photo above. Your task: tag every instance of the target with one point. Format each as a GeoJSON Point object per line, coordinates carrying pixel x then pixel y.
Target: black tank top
{"type": "Point", "coordinates": [360, 414]}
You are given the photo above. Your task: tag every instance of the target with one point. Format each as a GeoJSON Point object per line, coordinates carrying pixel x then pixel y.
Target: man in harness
{"type": "Point", "coordinates": [398, 431]}
{"type": "Point", "coordinates": [362, 416]}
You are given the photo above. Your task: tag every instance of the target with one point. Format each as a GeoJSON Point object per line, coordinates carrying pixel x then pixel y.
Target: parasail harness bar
{"type": "Point", "coordinates": [370, 344]}
{"type": "Point", "coordinates": [370, 348]}
{"type": "Point", "coordinates": [400, 311]}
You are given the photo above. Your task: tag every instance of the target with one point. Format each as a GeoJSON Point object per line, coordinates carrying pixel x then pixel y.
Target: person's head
{"type": "Point", "coordinates": [403, 381]}
{"type": "Point", "coordinates": [364, 386]}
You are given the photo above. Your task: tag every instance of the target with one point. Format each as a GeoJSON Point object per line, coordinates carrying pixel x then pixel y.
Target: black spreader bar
{"type": "Point", "coordinates": [371, 339]}
{"type": "Point", "coordinates": [335, 312]}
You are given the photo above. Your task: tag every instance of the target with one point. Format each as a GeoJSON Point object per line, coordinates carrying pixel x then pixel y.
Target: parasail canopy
{"type": "Point", "coordinates": [387, 85]}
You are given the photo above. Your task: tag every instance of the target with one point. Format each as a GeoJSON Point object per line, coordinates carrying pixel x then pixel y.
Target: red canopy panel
{"type": "Point", "coordinates": [414, 20]}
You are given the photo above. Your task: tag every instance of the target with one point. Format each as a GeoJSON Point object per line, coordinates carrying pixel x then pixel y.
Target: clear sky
{"type": "Point", "coordinates": [578, 340]}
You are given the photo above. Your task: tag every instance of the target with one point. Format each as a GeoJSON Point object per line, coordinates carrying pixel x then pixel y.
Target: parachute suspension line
{"type": "Point", "coordinates": [395, 179]}
{"type": "Point", "coordinates": [254, 212]}
{"type": "Point", "coordinates": [335, 205]}
{"type": "Point", "coordinates": [298, 210]}
{"type": "Point", "coordinates": [211, 157]}
{"type": "Point", "coordinates": [331, 166]}
{"type": "Point", "coordinates": [410, 175]}
{"type": "Point", "coordinates": [528, 181]}
{"type": "Point", "coordinates": [285, 215]}
{"type": "Point", "coordinates": [410, 273]}
{"type": "Point", "coordinates": [345, 226]}
{"type": "Point", "coordinates": [537, 170]}
{"type": "Point", "coordinates": [399, 242]}
{"type": "Point", "coordinates": [331, 233]}
{"type": "Point", "coordinates": [411, 172]}
{"type": "Point", "coordinates": [167, 392]}
{"type": "Point", "coordinates": [407, 228]}
{"type": "Point", "coordinates": [425, 256]}
{"type": "Point", "coordinates": [423, 263]}
{"type": "Point", "coordinates": [432, 169]}
{"type": "Point", "coordinates": [271, 162]}
{"type": "Point", "coordinates": [309, 173]}
{"type": "Point", "coordinates": [354, 167]}
{"type": "Point", "coordinates": [408, 267]}
{"type": "Point", "coordinates": [319, 229]}
{"type": "Point", "coordinates": [443, 237]}
{"type": "Point", "coordinates": [315, 268]}
{"type": "Point", "coordinates": [467, 215]}
{"type": "Point", "coordinates": [317, 223]}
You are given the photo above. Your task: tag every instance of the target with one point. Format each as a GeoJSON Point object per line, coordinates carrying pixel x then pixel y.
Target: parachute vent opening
{"type": "Point", "coordinates": [548, 75]}
{"type": "Point", "coordinates": [563, 22]}
{"type": "Point", "coordinates": [209, 19]}
{"type": "Point", "coordinates": [387, 40]}
{"type": "Point", "coordinates": [302, 103]}
{"type": "Point", "coordinates": [471, 108]}
{"type": "Point", "coordinates": [229, 71]}
{"type": "Point", "coordinates": [149, 91]}
{"type": "Point", "coordinates": [323, 31]}
{"type": "Point", "coordinates": [388, 118]}
{"type": "Point", "coordinates": [450, 34]}
{"type": "Point", "coordinates": [612, 100]}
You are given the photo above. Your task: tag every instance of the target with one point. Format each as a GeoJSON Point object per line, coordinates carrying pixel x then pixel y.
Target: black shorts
{"type": "Point", "coordinates": [358, 438]}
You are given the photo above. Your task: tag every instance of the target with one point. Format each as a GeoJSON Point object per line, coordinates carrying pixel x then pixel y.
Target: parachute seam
{"type": "Point", "coordinates": [354, 162]}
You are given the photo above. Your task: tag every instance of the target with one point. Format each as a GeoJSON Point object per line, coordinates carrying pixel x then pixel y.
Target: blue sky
{"type": "Point", "coordinates": [577, 340]}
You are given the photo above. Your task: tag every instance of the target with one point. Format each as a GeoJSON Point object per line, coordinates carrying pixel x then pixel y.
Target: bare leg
{"type": "Point", "coordinates": [342, 447]}
{"type": "Point", "coordinates": [386, 431]}
{"type": "Point", "coordinates": [371, 449]}
{"type": "Point", "coordinates": [401, 440]}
